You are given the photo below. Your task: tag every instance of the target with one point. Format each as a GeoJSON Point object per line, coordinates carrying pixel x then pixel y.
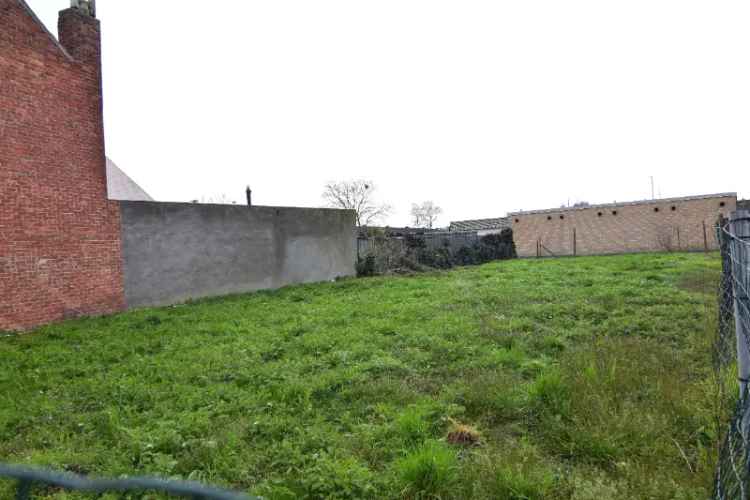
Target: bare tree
{"type": "Point", "coordinates": [425, 215]}
{"type": "Point", "coordinates": [357, 195]}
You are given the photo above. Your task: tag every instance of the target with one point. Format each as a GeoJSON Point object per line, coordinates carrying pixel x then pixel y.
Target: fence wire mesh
{"type": "Point", "coordinates": [732, 347]}
{"type": "Point", "coordinates": [30, 481]}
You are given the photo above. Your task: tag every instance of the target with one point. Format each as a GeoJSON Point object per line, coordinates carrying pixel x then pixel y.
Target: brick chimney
{"type": "Point", "coordinates": [78, 30]}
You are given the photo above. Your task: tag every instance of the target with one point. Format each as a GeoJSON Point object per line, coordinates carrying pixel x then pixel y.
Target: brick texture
{"type": "Point", "coordinates": [60, 249]}
{"type": "Point", "coordinates": [651, 226]}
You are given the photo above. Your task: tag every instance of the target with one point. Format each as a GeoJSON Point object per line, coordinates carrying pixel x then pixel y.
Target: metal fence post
{"type": "Point", "coordinates": [575, 243]}
{"type": "Point", "coordinates": [739, 226]}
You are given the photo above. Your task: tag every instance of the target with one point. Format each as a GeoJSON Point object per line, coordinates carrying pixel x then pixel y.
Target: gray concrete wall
{"type": "Point", "coordinates": [174, 252]}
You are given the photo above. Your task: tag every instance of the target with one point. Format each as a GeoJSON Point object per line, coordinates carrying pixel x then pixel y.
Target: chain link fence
{"type": "Point", "coordinates": [732, 347]}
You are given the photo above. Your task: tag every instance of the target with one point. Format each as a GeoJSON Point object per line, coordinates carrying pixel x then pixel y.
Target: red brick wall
{"type": "Point", "coordinates": [60, 250]}
{"type": "Point", "coordinates": [652, 226]}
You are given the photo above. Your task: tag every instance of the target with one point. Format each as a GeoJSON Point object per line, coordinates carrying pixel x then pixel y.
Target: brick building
{"type": "Point", "coordinates": [674, 224]}
{"type": "Point", "coordinates": [60, 252]}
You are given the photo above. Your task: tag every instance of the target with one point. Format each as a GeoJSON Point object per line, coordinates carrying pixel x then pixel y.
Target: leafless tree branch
{"type": "Point", "coordinates": [357, 195]}
{"type": "Point", "coordinates": [425, 215]}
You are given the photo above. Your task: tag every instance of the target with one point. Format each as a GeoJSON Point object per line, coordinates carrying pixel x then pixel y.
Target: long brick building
{"type": "Point", "coordinates": [673, 224]}
{"type": "Point", "coordinates": [59, 234]}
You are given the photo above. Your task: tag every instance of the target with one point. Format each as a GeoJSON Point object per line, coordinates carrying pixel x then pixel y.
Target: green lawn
{"type": "Point", "coordinates": [577, 378]}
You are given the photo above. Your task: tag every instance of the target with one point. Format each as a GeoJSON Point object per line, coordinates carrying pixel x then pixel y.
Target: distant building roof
{"type": "Point", "coordinates": [121, 187]}
{"type": "Point", "coordinates": [628, 203]}
{"type": "Point", "coordinates": [480, 224]}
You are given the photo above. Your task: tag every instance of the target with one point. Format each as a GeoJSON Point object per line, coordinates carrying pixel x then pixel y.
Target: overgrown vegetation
{"type": "Point", "coordinates": [585, 378]}
{"type": "Point", "coordinates": [413, 254]}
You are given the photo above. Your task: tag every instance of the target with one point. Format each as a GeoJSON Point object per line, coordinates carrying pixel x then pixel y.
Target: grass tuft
{"type": "Point", "coordinates": [428, 472]}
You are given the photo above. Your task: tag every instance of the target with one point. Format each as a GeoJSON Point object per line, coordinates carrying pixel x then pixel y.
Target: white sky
{"type": "Point", "coordinates": [482, 106]}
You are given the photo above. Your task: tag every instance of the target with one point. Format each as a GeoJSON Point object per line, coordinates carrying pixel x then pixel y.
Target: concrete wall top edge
{"type": "Point", "coordinates": [238, 208]}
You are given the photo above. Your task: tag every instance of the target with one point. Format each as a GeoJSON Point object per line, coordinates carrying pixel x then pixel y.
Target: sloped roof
{"type": "Point", "coordinates": [121, 187]}
{"type": "Point", "coordinates": [480, 224]}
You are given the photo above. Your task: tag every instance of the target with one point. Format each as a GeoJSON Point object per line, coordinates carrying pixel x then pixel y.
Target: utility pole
{"type": "Point", "coordinates": [652, 188]}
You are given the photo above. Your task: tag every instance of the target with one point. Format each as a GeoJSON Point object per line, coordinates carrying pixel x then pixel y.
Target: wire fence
{"type": "Point", "coordinates": [732, 346]}
{"type": "Point", "coordinates": [30, 480]}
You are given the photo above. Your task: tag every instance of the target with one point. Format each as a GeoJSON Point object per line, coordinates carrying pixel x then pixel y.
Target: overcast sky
{"type": "Point", "coordinates": [482, 106]}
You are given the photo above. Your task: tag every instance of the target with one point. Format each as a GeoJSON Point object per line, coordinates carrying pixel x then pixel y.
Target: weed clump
{"type": "Point", "coordinates": [463, 434]}
{"type": "Point", "coordinates": [429, 471]}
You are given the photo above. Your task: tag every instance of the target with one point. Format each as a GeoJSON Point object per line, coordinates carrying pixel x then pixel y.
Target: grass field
{"type": "Point", "coordinates": [586, 378]}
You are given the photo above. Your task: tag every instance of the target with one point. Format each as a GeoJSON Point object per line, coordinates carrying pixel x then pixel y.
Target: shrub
{"type": "Point", "coordinates": [438, 259]}
{"type": "Point", "coordinates": [467, 256]}
{"type": "Point", "coordinates": [366, 266]}
{"type": "Point", "coordinates": [498, 246]}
